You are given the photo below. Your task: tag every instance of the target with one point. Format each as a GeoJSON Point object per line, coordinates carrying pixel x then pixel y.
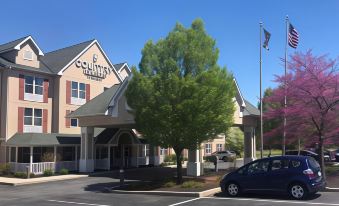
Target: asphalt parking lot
{"type": "Point", "coordinates": [92, 191]}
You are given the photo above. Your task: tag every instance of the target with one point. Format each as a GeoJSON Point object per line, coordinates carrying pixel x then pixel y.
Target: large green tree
{"type": "Point", "coordinates": [181, 97]}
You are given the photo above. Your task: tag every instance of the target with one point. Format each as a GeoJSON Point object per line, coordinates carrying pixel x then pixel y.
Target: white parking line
{"type": "Point", "coordinates": [179, 203]}
{"type": "Point", "coordinates": [272, 201]}
{"type": "Point", "coordinates": [77, 203]}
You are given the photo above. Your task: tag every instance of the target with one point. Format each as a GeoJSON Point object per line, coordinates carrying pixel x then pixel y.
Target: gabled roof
{"type": "Point", "coordinates": [98, 105]}
{"type": "Point", "coordinates": [250, 109]}
{"type": "Point", "coordinates": [42, 69]}
{"type": "Point", "coordinates": [58, 59]}
{"type": "Point", "coordinates": [16, 44]}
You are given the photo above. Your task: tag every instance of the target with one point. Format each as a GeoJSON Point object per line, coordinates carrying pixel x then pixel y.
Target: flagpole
{"type": "Point", "coordinates": [285, 87]}
{"type": "Point", "coordinates": [261, 125]}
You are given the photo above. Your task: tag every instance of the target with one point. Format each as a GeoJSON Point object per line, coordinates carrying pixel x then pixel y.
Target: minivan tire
{"type": "Point", "coordinates": [298, 191]}
{"type": "Point", "coordinates": [232, 189]}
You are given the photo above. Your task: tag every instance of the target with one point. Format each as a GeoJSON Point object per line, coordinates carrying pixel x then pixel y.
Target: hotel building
{"type": "Point", "coordinates": [66, 109]}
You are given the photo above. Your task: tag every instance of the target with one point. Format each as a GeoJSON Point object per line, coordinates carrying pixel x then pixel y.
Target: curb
{"type": "Point", "coordinates": [37, 181]}
{"type": "Point", "coordinates": [331, 189]}
{"type": "Point", "coordinates": [205, 193]}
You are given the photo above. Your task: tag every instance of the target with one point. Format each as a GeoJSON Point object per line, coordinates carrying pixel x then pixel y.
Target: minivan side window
{"type": "Point", "coordinates": [258, 167]}
{"type": "Point", "coordinates": [279, 164]}
{"type": "Point", "coordinates": [295, 163]}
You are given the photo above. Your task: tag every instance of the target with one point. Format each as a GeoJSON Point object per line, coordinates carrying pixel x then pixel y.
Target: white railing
{"type": "Point", "coordinates": [40, 167]}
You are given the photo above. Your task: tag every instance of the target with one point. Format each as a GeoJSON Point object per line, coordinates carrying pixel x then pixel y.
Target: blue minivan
{"type": "Point", "coordinates": [299, 176]}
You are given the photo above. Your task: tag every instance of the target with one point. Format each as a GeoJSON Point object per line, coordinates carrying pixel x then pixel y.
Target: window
{"type": "Point", "coordinates": [74, 122]}
{"type": "Point", "coordinates": [66, 153]}
{"type": "Point", "coordinates": [280, 164]}
{"type": "Point", "coordinates": [258, 167]}
{"type": "Point", "coordinates": [208, 148]}
{"type": "Point", "coordinates": [295, 163]}
{"type": "Point", "coordinates": [78, 90]}
{"type": "Point", "coordinates": [34, 85]}
{"type": "Point", "coordinates": [28, 55]}
{"type": "Point", "coordinates": [23, 154]}
{"type": "Point", "coordinates": [219, 147]}
{"type": "Point", "coordinates": [163, 151]}
{"type": "Point", "coordinates": [33, 117]}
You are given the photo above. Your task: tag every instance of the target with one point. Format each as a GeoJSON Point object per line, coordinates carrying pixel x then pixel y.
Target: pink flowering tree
{"type": "Point", "coordinates": [312, 112]}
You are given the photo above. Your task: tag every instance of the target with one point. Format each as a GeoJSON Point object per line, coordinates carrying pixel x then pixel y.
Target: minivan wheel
{"type": "Point", "coordinates": [232, 189]}
{"type": "Point", "coordinates": [298, 191]}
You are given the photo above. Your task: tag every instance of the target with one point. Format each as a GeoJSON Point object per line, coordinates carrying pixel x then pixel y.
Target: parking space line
{"type": "Point", "coordinates": [273, 201]}
{"type": "Point", "coordinates": [77, 203]}
{"type": "Point", "coordinates": [179, 203]}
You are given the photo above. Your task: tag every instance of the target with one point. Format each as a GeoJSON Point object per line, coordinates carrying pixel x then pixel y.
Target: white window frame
{"type": "Point", "coordinates": [208, 148]}
{"type": "Point", "coordinates": [78, 100]}
{"type": "Point", "coordinates": [32, 127]}
{"type": "Point", "coordinates": [71, 122]}
{"type": "Point", "coordinates": [33, 96]}
{"type": "Point", "coordinates": [163, 151]}
{"type": "Point", "coordinates": [219, 147]}
{"type": "Point", "coordinates": [25, 58]}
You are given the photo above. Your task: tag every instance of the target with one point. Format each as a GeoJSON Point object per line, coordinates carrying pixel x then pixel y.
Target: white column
{"type": "Point", "coordinates": [194, 164]}
{"type": "Point", "coordinates": [31, 160]}
{"type": "Point", "coordinates": [55, 157]}
{"type": "Point", "coordinates": [249, 147]}
{"type": "Point", "coordinates": [86, 154]}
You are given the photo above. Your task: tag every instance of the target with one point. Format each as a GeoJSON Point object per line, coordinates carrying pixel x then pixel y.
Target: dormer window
{"type": "Point", "coordinates": [28, 55]}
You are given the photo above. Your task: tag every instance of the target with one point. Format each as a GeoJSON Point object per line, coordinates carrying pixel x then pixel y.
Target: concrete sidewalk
{"type": "Point", "coordinates": [19, 181]}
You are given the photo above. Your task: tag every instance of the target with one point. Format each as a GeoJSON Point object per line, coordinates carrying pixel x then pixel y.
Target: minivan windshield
{"type": "Point", "coordinates": [313, 163]}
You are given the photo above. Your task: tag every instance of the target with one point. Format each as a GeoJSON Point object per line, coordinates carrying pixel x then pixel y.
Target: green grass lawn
{"type": "Point", "coordinates": [274, 152]}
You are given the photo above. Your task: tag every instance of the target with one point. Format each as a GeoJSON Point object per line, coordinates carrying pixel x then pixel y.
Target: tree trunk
{"type": "Point", "coordinates": [179, 168]}
{"type": "Point", "coordinates": [321, 159]}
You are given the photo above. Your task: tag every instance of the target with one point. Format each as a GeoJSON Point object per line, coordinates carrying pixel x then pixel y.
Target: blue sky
{"type": "Point", "coordinates": [123, 27]}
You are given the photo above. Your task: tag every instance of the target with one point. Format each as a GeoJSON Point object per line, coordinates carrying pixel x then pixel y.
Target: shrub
{"type": "Point", "coordinates": [47, 157]}
{"type": "Point", "coordinates": [170, 158]}
{"type": "Point", "coordinates": [31, 175]}
{"type": "Point", "coordinates": [5, 169]}
{"type": "Point", "coordinates": [48, 172]}
{"type": "Point", "coordinates": [20, 175]}
{"type": "Point", "coordinates": [191, 184]}
{"type": "Point", "coordinates": [169, 184]}
{"type": "Point", "coordinates": [63, 171]}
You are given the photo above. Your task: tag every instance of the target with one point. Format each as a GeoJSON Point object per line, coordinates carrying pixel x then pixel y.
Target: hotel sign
{"type": "Point", "coordinates": [92, 70]}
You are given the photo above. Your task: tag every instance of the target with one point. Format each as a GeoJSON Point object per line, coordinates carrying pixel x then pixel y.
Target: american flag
{"type": "Point", "coordinates": [293, 37]}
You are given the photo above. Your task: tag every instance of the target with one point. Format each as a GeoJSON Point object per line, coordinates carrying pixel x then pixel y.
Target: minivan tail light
{"type": "Point", "coordinates": [310, 173]}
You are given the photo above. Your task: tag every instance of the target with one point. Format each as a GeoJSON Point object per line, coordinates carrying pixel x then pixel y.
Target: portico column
{"type": "Point", "coordinates": [249, 144]}
{"type": "Point", "coordinates": [31, 160]}
{"type": "Point", "coordinates": [194, 164]}
{"type": "Point", "coordinates": [154, 158]}
{"type": "Point", "coordinates": [86, 150]}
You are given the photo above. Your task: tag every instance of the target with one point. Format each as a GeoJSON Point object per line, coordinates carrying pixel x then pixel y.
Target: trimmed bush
{"type": "Point", "coordinates": [63, 171]}
{"type": "Point", "coordinates": [5, 169]}
{"type": "Point", "coordinates": [170, 158]}
{"type": "Point", "coordinates": [48, 173]}
{"type": "Point", "coordinates": [20, 175]}
{"type": "Point", "coordinates": [191, 184]}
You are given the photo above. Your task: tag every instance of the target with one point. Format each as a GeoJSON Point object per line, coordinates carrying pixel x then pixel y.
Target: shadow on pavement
{"type": "Point", "coordinates": [274, 196]}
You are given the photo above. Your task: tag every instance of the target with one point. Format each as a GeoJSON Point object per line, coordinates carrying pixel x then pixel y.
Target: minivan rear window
{"type": "Point", "coordinates": [313, 163]}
